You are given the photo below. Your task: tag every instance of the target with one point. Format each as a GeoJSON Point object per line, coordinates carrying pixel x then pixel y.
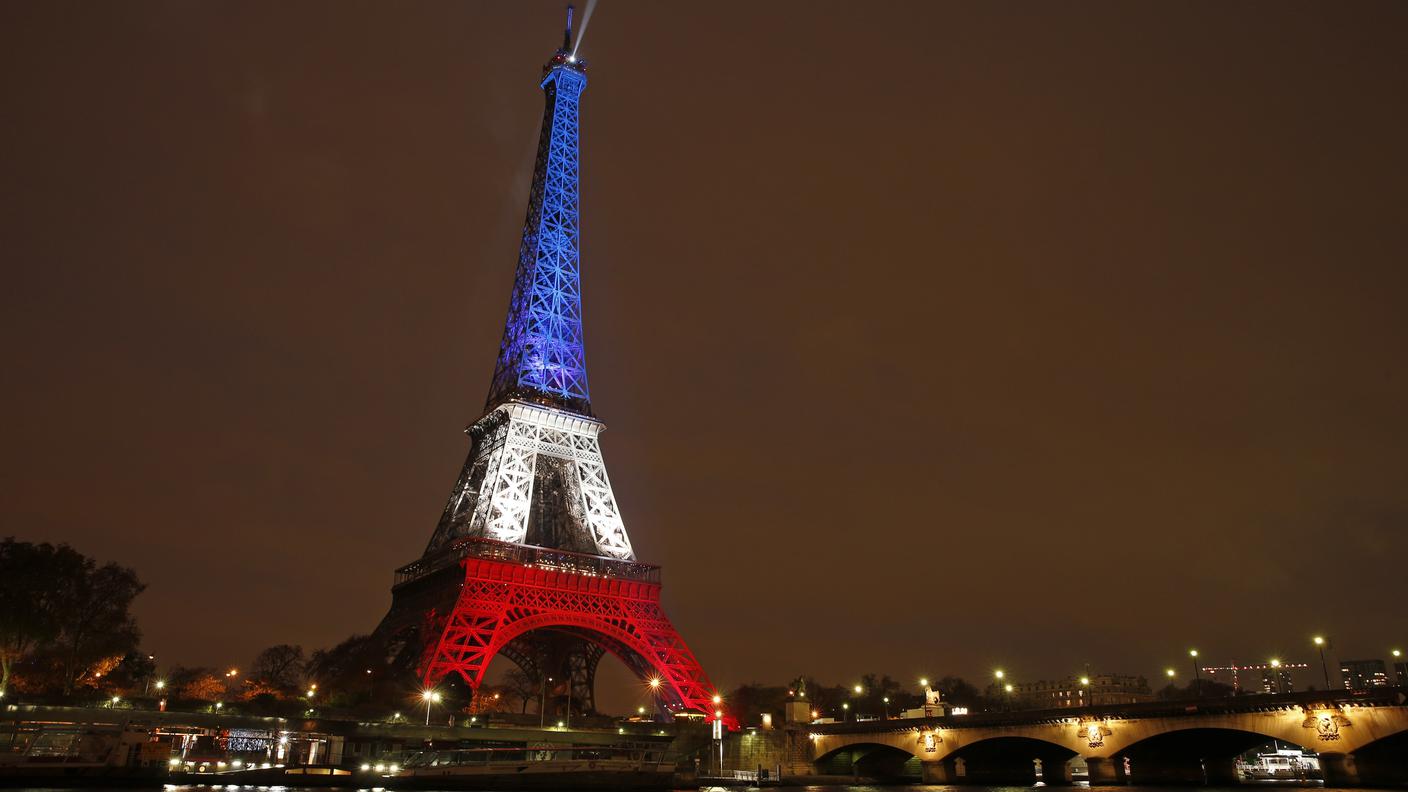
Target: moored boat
{"type": "Point", "coordinates": [637, 765]}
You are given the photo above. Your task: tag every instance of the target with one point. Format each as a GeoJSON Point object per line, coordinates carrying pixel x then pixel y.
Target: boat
{"type": "Point", "coordinates": [83, 754]}
{"type": "Point", "coordinates": [638, 765]}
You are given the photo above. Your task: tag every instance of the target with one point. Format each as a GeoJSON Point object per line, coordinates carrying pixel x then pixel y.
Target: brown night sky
{"type": "Point", "coordinates": [930, 336]}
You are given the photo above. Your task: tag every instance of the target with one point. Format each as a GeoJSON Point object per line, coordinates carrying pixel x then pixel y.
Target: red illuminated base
{"type": "Point", "coordinates": [502, 600]}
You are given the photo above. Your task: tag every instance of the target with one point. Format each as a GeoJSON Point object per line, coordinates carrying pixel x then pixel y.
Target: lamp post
{"type": "Point", "coordinates": [654, 696]}
{"type": "Point", "coordinates": [1324, 669]}
{"type": "Point", "coordinates": [543, 702]}
{"type": "Point", "coordinates": [430, 697]}
{"type": "Point", "coordinates": [886, 701]}
{"type": "Point", "coordinates": [1085, 690]}
{"type": "Point", "coordinates": [845, 711]}
{"type": "Point", "coordinates": [1197, 675]}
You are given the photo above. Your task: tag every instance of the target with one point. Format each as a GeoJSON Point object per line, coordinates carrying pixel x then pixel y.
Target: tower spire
{"type": "Point", "coordinates": [567, 34]}
{"type": "Point", "coordinates": [542, 358]}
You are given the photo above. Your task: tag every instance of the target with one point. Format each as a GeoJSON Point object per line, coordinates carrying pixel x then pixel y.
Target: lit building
{"type": "Point", "coordinates": [1099, 690]}
{"type": "Point", "coordinates": [1363, 674]}
{"type": "Point", "coordinates": [1271, 677]}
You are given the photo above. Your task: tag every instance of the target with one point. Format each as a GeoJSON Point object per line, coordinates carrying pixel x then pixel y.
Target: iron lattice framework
{"type": "Point", "coordinates": [501, 601]}
{"type": "Point", "coordinates": [549, 576]}
{"type": "Point", "coordinates": [494, 495]}
{"type": "Point", "coordinates": [542, 353]}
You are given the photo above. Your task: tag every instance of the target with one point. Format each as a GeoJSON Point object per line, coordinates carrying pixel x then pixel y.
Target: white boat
{"type": "Point", "coordinates": [639, 765]}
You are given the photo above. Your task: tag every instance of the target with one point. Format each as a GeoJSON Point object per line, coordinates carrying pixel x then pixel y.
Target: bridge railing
{"type": "Point", "coordinates": [527, 555]}
{"type": "Point", "coordinates": [1380, 697]}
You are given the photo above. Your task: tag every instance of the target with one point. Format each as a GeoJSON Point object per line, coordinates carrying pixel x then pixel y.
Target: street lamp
{"type": "Point", "coordinates": [1275, 665]}
{"type": "Point", "coordinates": [1197, 675]}
{"type": "Point", "coordinates": [886, 699]}
{"type": "Point", "coordinates": [1085, 691]}
{"type": "Point", "coordinates": [859, 690]}
{"type": "Point", "coordinates": [845, 711]}
{"type": "Point", "coordinates": [429, 697]}
{"type": "Point", "coordinates": [1324, 669]}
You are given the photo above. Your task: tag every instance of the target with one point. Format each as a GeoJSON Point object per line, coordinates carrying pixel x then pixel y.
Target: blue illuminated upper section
{"type": "Point", "coordinates": [542, 357]}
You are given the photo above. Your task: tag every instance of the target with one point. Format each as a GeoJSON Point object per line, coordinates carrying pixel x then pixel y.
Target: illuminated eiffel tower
{"type": "Point", "coordinates": [530, 558]}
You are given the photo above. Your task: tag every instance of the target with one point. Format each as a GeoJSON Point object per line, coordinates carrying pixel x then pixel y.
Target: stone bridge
{"type": "Point", "coordinates": [1362, 741]}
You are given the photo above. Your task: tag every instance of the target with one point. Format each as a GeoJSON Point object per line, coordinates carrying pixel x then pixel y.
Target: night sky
{"type": "Point", "coordinates": [930, 337]}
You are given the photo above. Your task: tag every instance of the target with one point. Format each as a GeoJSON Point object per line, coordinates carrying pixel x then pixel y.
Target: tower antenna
{"type": "Point", "coordinates": [567, 34]}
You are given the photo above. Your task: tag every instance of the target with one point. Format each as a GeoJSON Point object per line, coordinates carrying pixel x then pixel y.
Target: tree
{"type": "Point", "coordinates": [95, 619]}
{"type": "Point", "coordinates": [523, 686]}
{"type": "Point", "coordinates": [341, 672]}
{"type": "Point", "coordinates": [960, 692]}
{"type": "Point", "coordinates": [55, 599]}
{"type": "Point", "coordinates": [206, 687]}
{"type": "Point", "coordinates": [280, 667]}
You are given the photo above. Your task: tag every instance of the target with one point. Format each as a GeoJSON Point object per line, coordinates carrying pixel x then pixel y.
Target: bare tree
{"type": "Point", "coordinates": [522, 685]}
{"type": "Point", "coordinates": [281, 667]}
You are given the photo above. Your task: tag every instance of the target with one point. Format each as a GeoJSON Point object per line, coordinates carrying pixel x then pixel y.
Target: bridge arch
{"type": "Point", "coordinates": [881, 761]}
{"type": "Point", "coordinates": [1190, 755]}
{"type": "Point", "coordinates": [1004, 759]}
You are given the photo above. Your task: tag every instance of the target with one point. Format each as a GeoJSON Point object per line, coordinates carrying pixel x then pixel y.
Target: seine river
{"type": "Point", "coordinates": [823, 788]}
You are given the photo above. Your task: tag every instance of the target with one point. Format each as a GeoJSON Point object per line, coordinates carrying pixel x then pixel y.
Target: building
{"type": "Point", "coordinates": [1275, 676]}
{"type": "Point", "coordinates": [1363, 674]}
{"type": "Point", "coordinates": [1073, 691]}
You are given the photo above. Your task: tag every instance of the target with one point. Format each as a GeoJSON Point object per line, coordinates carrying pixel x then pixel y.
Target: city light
{"type": "Point", "coordinates": [718, 699]}
{"type": "Point", "coordinates": [1007, 687]}
{"type": "Point", "coordinates": [1085, 680]}
{"type": "Point", "coordinates": [924, 682]}
{"type": "Point", "coordinates": [655, 682]}
{"type": "Point", "coordinates": [1275, 663]}
{"type": "Point", "coordinates": [1170, 673]}
{"type": "Point", "coordinates": [429, 697]}
{"type": "Point", "coordinates": [160, 683]}
{"type": "Point", "coordinates": [1319, 640]}
{"type": "Point", "coordinates": [859, 690]}
{"type": "Point", "coordinates": [999, 673]}
{"type": "Point", "coordinates": [1192, 652]}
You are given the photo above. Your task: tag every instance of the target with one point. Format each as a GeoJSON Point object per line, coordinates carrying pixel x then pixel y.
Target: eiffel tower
{"type": "Point", "coordinates": [530, 558]}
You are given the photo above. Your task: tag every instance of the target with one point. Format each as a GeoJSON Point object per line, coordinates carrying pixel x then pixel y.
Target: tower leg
{"type": "Point", "coordinates": [502, 600]}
